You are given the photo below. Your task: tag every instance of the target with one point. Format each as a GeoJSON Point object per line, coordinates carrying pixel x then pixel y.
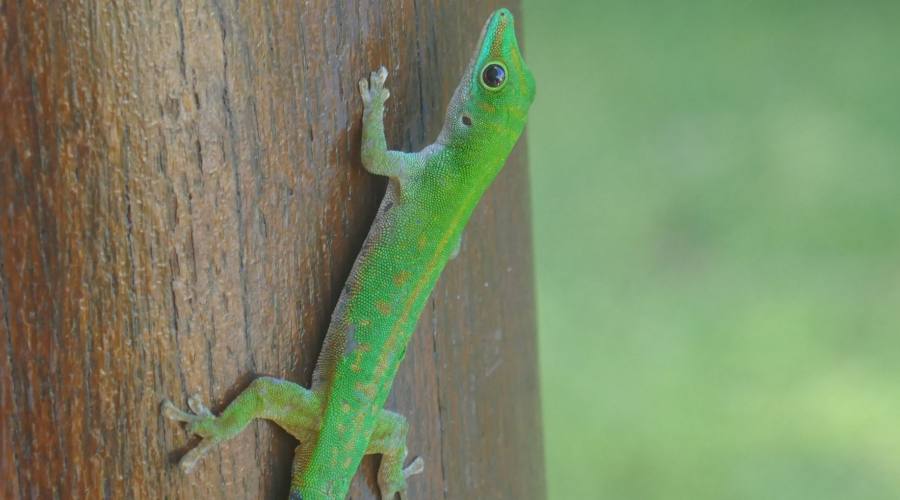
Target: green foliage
{"type": "Point", "coordinates": [717, 233]}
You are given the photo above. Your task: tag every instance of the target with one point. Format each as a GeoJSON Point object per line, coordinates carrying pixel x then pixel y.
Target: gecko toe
{"type": "Point", "coordinates": [170, 411]}
{"type": "Point", "coordinates": [379, 76]}
{"type": "Point", "coordinates": [417, 466]}
{"type": "Point", "coordinates": [190, 459]}
{"type": "Point", "coordinates": [197, 406]}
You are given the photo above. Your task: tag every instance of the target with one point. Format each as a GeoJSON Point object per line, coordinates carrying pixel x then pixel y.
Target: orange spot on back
{"type": "Point", "coordinates": [382, 365]}
{"type": "Point", "coordinates": [401, 278]}
{"type": "Point", "coordinates": [367, 389]}
{"type": "Point", "coordinates": [383, 307]}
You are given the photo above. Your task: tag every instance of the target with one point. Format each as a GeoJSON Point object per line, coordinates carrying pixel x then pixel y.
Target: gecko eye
{"type": "Point", "coordinates": [493, 76]}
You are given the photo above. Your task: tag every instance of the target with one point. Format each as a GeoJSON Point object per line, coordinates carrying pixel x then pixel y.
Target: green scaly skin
{"type": "Point", "coordinates": [429, 199]}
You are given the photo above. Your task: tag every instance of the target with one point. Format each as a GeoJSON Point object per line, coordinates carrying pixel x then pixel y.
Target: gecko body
{"type": "Point", "coordinates": [430, 197]}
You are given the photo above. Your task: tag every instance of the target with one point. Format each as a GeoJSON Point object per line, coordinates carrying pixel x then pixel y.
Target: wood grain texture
{"type": "Point", "coordinates": [181, 199]}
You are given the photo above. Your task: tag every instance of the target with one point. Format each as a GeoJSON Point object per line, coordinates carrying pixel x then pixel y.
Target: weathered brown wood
{"type": "Point", "coordinates": [181, 199]}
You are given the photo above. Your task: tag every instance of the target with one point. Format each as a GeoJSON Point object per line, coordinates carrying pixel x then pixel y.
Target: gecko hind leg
{"type": "Point", "coordinates": [291, 406]}
{"type": "Point", "coordinates": [389, 439]}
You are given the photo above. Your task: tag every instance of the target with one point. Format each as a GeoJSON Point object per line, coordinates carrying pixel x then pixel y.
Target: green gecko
{"type": "Point", "coordinates": [429, 199]}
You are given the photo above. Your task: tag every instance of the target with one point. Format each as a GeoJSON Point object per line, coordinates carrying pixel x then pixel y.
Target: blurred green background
{"type": "Point", "coordinates": [716, 196]}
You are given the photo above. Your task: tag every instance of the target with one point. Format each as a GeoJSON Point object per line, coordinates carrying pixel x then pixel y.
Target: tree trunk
{"type": "Point", "coordinates": [181, 199]}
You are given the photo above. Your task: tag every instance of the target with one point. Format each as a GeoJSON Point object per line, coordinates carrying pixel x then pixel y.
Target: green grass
{"type": "Point", "coordinates": [716, 192]}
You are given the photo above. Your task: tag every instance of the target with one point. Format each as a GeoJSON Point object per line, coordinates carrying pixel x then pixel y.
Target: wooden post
{"type": "Point", "coordinates": [181, 199]}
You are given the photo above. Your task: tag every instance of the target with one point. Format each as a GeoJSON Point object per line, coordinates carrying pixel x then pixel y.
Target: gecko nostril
{"type": "Point", "coordinates": [466, 120]}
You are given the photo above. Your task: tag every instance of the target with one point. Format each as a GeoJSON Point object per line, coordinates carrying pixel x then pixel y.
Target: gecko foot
{"type": "Point", "coordinates": [372, 90]}
{"type": "Point", "coordinates": [201, 422]}
{"type": "Point", "coordinates": [396, 484]}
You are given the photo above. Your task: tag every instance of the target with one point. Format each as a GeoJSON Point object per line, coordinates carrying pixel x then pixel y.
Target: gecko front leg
{"type": "Point", "coordinates": [376, 157]}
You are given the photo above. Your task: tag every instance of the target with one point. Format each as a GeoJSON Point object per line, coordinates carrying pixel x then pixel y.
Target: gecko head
{"type": "Point", "coordinates": [491, 103]}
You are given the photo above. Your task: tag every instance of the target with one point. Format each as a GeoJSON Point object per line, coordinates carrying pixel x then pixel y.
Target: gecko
{"type": "Point", "coordinates": [429, 199]}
